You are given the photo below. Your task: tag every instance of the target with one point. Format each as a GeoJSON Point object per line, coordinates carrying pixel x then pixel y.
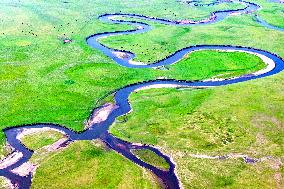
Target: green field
{"type": "Point", "coordinates": [151, 158]}
{"type": "Point", "coordinates": [43, 80]}
{"type": "Point", "coordinates": [39, 140]}
{"type": "Point", "coordinates": [90, 166]}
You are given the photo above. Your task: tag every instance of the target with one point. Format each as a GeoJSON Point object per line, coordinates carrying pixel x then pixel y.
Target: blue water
{"type": "Point", "coordinates": [276, 1]}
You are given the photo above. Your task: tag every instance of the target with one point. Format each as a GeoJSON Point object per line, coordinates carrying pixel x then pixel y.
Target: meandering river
{"type": "Point", "coordinates": [99, 130]}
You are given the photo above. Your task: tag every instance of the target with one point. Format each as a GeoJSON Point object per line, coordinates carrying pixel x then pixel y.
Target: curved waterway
{"type": "Point", "coordinates": [121, 96]}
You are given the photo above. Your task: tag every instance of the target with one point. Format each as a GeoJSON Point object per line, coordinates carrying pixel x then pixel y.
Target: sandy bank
{"type": "Point", "coordinates": [11, 159]}
{"type": "Point", "coordinates": [100, 114]}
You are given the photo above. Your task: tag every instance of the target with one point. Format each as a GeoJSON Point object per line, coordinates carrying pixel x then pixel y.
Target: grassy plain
{"type": "Point", "coordinates": [41, 77]}
{"type": "Point", "coordinates": [243, 119]}
{"type": "Point", "coordinates": [272, 12]}
{"type": "Point", "coordinates": [38, 140]}
{"type": "Point", "coordinates": [151, 158]}
{"type": "Point", "coordinates": [89, 165]}
{"type": "Point", "coordinates": [44, 80]}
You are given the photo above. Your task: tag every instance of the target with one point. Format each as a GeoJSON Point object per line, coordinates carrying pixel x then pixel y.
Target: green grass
{"type": "Point", "coordinates": [41, 74]}
{"type": "Point", "coordinates": [227, 174]}
{"type": "Point", "coordinates": [43, 80]}
{"type": "Point", "coordinates": [88, 165]}
{"type": "Point", "coordinates": [272, 12]}
{"type": "Point", "coordinates": [3, 183]}
{"type": "Point", "coordinates": [150, 157]}
{"type": "Point", "coordinates": [242, 118]}
{"type": "Point", "coordinates": [207, 64]}
{"type": "Point", "coordinates": [164, 39]}
{"type": "Point", "coordinates": [40, 139]}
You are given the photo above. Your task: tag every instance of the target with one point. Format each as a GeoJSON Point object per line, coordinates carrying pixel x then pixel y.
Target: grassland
{"type": "Point", "coordinates": [219, 64]}
{"type": "Point", "coordinates": [272, 12]}
{"type": "Point", "coordinates": [243, 118]}
{"type": "Point", "coordinates": [44, 80]}
{"type": "Point", "coordinates": [3, 183]}
{"type": "Point", "coordinates": [151, 158]}
{"type": "Point", "coordinates": [38, 140]}
{"type": "Point", "coordinates": [41, 81]}
{"type": "Point", "coordinates": [89, 165]}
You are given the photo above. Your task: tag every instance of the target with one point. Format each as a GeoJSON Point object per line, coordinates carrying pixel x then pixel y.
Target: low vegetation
{"type": "Point", "coordinates": [86, 164]}
{"type": "Point", "coordinates": [43, 80]}
{"type": "Point", "coordinates": [242, 118]}
{"type": "Point", "coordinates": [152, 158]}
{"type": "Point", "coordinates": [38, 140]}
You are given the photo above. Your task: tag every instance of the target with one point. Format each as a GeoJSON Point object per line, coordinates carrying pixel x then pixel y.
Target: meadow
{"type": "Point", "coordinates": [44, 80]}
